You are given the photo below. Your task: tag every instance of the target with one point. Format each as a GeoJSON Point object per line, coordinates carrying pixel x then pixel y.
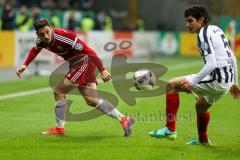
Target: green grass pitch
{"type": "Point", "coordinates": [23, 118]}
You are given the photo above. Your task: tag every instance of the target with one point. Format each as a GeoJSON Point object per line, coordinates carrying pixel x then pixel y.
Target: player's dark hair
{"type": "Point", "coordinates": [40, 23]}
{"type": "Point", "coordinates": [197, 12]}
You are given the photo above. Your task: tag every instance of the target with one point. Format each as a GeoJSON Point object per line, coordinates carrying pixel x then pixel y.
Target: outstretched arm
{"type": "Point", "coordinates": [31, 56]}
{"type": "Point", "coordinates": [209, 56]}
{"type": "Point", "coordinates": [210, 65]}
{"type": "Point", "coordinates": [235, 89]}
{"type": "Point", "coordinates": [82, 47]}
{"type": "Point", "coordinates": [105, 75]}
{"type": "Point", "coordinates": [95, 59]}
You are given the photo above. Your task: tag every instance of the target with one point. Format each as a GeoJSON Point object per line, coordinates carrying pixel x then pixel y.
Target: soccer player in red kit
{"type": "Point", "coordinates": [218, 76]}
{"type": "Point", "coordinates": [66, 44]}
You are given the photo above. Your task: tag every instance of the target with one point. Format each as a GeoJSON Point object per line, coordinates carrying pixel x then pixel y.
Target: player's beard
{"type": "Point", "coordinates": [50, 40]}
{"type": "Point", "coordinates": [191, 30]}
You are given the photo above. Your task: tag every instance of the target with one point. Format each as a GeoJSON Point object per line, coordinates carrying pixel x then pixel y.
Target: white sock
{"type": "Point", "coordinates": [60, 124]}
{"type": "Point", "coordinates": [107, 108]}
{"type": "Point", "coordinates": [60, 111]}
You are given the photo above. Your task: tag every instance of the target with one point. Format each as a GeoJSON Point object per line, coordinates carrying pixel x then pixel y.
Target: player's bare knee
{"type": "Point", "coordinates": [67, 82]}
{"type": "Point", "coordinates": [170, 87]}
{"type": "Point", "coordinates": [63, 87]}
{"type": "Point", "coordinates": [198, 105]}
{"type": "Point", "coordinates": [202, 105]}
{"type": "Point", "coordinates": [91, 101]}
{"type": "Point", "coordinates": [201, 109]}
{"type": "Point", "coordinates": [57, 90]}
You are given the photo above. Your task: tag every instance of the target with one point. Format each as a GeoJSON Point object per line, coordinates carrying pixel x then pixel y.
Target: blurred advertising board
{"type": "Point", "coordinates": [98, 40]}
{"type": "Point", "coordinates": [6, 49]}
{"type": "Point", "coordinates": [145, 43]}
{"type": "Point", "coordinates": [237, 45]}
{"type": "Point", "coordinates": [188, 45]}
{"type": "Point", "coordinates": [123, 41]}
{"type": "Point", "coordinates": [24, 41]}
{"type": "Point", "coordinates": [168, 43]}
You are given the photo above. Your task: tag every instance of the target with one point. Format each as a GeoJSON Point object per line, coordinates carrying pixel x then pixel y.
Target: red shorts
{"type": "Point", "coordinates": [82, 72]}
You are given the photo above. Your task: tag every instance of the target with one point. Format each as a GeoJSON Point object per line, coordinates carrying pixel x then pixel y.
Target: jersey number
{"type": "Point", "coordinates": [226, 44]}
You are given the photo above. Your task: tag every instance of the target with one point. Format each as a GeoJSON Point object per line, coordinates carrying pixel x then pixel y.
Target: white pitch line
{"type": "Point", "coordinates": [25, 93]}
{"type": "Point", "coordinates": [184, 66]}
{"type": "Point", "coordinates": [36, 91]}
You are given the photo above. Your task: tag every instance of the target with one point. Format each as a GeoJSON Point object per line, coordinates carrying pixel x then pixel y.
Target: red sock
{"type": "Point", "coordinates": [202, 123]}
{"type": "Point", "coordinates": [172, 104]}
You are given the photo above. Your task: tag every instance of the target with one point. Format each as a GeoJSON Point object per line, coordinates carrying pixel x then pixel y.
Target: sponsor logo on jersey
{"type": "Point", "coordinates": [204, 46]}
{"type": "Point", "coordinates": [78, 47]}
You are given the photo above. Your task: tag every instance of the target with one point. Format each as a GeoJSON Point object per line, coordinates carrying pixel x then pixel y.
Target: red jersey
{"type": "Point", "coordinates": [67, 45]}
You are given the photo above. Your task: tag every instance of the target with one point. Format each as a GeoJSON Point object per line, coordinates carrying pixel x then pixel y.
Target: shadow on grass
{"type": "Point", "coordinates": [226, 151]}
{"type": "Point", "coordinates": [78, 138]}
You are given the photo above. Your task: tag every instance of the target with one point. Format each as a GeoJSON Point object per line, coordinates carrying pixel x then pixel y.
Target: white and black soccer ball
{"type": "Point", "coordinates": [144, 79]}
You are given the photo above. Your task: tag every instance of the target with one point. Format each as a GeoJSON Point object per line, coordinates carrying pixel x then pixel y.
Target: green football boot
{"type": "Point", "coordinates": [164, 133]}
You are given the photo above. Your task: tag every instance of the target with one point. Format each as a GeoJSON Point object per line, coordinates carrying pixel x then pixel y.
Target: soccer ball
{"type": "Point", "coordinates": [144, 79]}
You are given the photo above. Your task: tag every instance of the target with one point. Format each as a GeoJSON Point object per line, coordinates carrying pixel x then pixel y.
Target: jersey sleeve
{"type": "Point", "coordinates": [234, 65]}
{"type": "Point", "coordinates": [208, 54]}
{"type": "Point", "coordinates": [31, 55]}
{"type": "Point", "coordinates": [209, 66]}
{"type": "Point", "coordinates": [95, 59]}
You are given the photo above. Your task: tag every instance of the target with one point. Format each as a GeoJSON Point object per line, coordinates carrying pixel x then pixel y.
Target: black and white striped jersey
{"type": "Point", "coordinates": [219, 60]}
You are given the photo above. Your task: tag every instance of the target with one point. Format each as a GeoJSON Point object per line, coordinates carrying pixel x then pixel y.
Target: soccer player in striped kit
{"type": "Point", "coordinates": [66, 44]}
{"type": "Point", "coordinates": [218, 75]}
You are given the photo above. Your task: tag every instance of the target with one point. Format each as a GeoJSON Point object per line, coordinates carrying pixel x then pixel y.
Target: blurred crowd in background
{"type": "Point", "coordinates": [108, 15]}
{"type": "Point", "coordinates": [77, 15]}
{"type": "Point", "coordinates": [20, 15]}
